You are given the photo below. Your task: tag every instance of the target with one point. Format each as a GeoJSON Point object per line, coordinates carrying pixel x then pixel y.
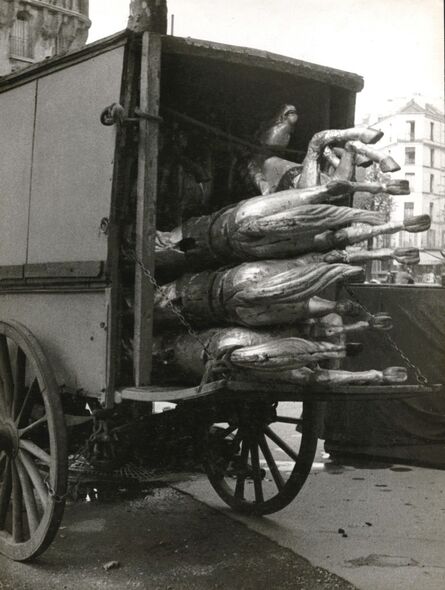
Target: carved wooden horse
{"type": "Point", "coordinates": [271, 173]}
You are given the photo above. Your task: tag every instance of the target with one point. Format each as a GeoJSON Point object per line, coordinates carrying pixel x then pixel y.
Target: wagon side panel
{"type": "Point", "coordinates": [16, 131]}
{"type": "Point", "coordinates": [72, 330]}
{"type": "Point", "coordinates": [73, 161]}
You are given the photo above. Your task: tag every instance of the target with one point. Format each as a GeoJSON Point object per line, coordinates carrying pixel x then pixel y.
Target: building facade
{"type": "Point", "coordinates": [32, 30]}
{"type": "Point", "coordinates": [415, 138]}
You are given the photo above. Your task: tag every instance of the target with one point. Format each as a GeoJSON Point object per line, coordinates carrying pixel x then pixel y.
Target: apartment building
{"type": "Point", "coordinates": [415, 138]}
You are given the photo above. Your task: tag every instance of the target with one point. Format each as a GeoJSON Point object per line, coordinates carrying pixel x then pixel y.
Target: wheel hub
{"type": "Point", "coordinates": [9, 438]}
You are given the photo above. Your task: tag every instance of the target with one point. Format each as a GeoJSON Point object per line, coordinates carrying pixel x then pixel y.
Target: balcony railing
{"type": "Point", "coordinates": [20, 47]}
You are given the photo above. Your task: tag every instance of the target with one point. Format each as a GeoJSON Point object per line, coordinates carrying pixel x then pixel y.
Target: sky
{"type": "Point", "coordinates": [396, 45]}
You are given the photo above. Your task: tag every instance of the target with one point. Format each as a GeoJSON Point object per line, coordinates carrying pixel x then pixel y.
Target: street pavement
{"type": "Point", "coordinates": [359, 525]}
{"type": "Point", "coordinates": [380, 526]}
{"type": "Point", "coordinates": [160, 539]}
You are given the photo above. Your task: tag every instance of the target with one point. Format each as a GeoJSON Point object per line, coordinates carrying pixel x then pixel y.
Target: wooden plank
{"type": "Point", "coordinates": [155, 393]}
{"type": "Point", "coordinates": [60, 62]}
{"type": "Point", "coordinates": [74, 269]}
{"type": "Point", "coordinates": [272, 392]}
{"type": "Point", "coordinates": [146, 205]}
{"type": "Point", "coordinates": [262, 59]}
{"type": "Point", "coordinates": [289, 392]}
{"type": "Point", "coordinates": [122, 186]}
{"type": "Point", "coordinates": [11, 272]}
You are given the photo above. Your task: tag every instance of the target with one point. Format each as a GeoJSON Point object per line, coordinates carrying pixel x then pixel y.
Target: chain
{"type": "Point", "coordinates": [213, 363]}
{"type": "Point", "coordinates": [420, 377]}
{"type": "Point", "coordinates": [73, 487]}
{"type": "Point", "coordinates": [170, 304]}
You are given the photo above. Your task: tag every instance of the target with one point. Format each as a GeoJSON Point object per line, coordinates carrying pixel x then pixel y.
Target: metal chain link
{"type": "Point", "coordinates": [420, 377]}
{"type": "Point", "coordinates": [214, 364]}
{"type": "Point", "coordinates": [177, 312]}
{"type": "Point", "coordinates": [82, 453]}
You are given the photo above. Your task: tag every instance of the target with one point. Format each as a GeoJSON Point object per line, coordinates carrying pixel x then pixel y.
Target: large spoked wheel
{"type": "Point", "coordinates": [33, 448]}
{"type": "Point", "coordinates": [259, 458]}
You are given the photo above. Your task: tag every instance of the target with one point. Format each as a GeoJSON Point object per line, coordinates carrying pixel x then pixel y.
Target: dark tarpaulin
{"type": "Point", "coordinates": [412, 429]}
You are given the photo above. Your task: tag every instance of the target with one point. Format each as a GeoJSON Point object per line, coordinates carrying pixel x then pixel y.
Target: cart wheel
{"type": "Point", "coordinates": [250, 464]}
{"type": "Point", "coordinates": [33, 449]}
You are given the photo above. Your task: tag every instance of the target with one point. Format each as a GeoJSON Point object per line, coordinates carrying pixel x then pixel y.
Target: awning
{"type": "Point", "coordinates": [431, 257]}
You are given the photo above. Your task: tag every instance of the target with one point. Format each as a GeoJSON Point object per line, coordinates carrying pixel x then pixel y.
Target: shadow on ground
{"type": "Point", "coordinates": [161, 539]}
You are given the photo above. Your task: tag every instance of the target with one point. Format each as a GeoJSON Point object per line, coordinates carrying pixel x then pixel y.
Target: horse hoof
{"type": "Point", "coordinates": [397, 187]}
{"type": "Point", "coordinates": [388, 164]}
{"type": "Point", "coordinates": [417, 223]}
{"type": "Point", "coordinates": [406, 255]}
{"type": "Point", "coordinates": [371, 135]}
{"type": "Point", "coordinates": [362, 161]}
{"type": "Point", "coordinates": [395, 375]}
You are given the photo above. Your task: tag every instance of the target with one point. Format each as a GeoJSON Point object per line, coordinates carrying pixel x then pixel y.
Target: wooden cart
{"type": "Point", "coordinates": [69, 187]}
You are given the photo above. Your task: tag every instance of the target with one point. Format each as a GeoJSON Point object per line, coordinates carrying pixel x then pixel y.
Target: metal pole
{"type": "Point", "coordinates": [172, 24]}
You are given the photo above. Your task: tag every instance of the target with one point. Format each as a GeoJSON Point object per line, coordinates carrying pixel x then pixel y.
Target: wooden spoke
{"type": "Point", "coordinates": [5, 493]}
{"type": "Point", "coordinates": [277, 477]}
{"type": "Point", "coordinates": [241, 477]}
{"type": "Point", "coordinates": [226, 431]}
{"type": "Point", "coordinates": [23, 431]}
{"type": "Point", "coordinates": [289, 420]}
{"type": "Point", "coordinates": [28, 497]}
{"type": "Point", "coordinates": [4, 411]}
{"type": "Point", "coordinates": [35, 477]}
{"type": "Point", "coordinates": [27, 402]}
{"type": "Point", "coordinates": [29, 515]}
{"type": "Point", "coordinates": [32, 448]}
{"type": "Point", "coordinates": [19, 381]}
{"type": "Point", "coordinates": [6, 372]}
{"type": "Point", "coordinates": [259, 496]}
{"type": "Point", "coordinates": [283, 446]}
{"type": "Point", "coordinates": [255, 419]}
{"type": "Point", "coordinates": [17, 522]}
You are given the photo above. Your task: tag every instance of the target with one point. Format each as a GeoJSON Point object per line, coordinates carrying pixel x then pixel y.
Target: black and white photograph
{"type": "Point", "coordinates": [222, 295]}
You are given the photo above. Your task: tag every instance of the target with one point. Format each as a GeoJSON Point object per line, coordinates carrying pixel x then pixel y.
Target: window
{"type": "Point", "coordinates": [411, 130]}
{"type": "Point", "coordinates": [432, 131]}
{"type": "Point", "coordinates": [408, 209]}
{"type": "Point", "coordinates": [443, 239]}
{"type": "Point", "coordinates": [432, 157]}
{"type": "Point", "coordinates": [431, 238]}
{"type": "Point", "coordinates": [407, 240]}
{"type": "Point", "coordinates": [411, 178]}
{"type": "Point", "coordinates": [431, 183]}
{"type": "Point", "coordinates": [20, 38]}
{"type": "Point", "coordinates": [410, 155]}
{"type": "Point", "coordinates": [431, 210]}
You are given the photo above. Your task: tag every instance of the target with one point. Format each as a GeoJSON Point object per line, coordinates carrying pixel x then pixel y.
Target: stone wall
{"type": "Point", "coordinates": [32, 30]}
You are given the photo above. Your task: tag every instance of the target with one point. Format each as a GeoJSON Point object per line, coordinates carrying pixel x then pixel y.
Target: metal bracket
{"type": "Point", "coordinates": [114, 114]}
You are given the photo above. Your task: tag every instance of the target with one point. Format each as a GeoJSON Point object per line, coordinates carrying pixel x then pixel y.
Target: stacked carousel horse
{"type": "Point", "coordinates": [252, 275]}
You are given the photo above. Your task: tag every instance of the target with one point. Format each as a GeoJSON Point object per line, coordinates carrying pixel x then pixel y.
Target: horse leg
{"type": "Point", "coordinates": [386, 162]}
{"type": "Point", "coordinates": [310, 175]}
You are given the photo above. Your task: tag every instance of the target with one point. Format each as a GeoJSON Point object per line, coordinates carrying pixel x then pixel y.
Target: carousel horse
{"type": "Point", "coordinates": [273, 292]}
{"type": "Point", "coordinates": [261, 355]}
{"type": "Point", "coordinates": [270, 174]}
{"type": "Point", "coordinates": [230, 234]}
{"type": "Point", "coordinates": [188, 355]}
